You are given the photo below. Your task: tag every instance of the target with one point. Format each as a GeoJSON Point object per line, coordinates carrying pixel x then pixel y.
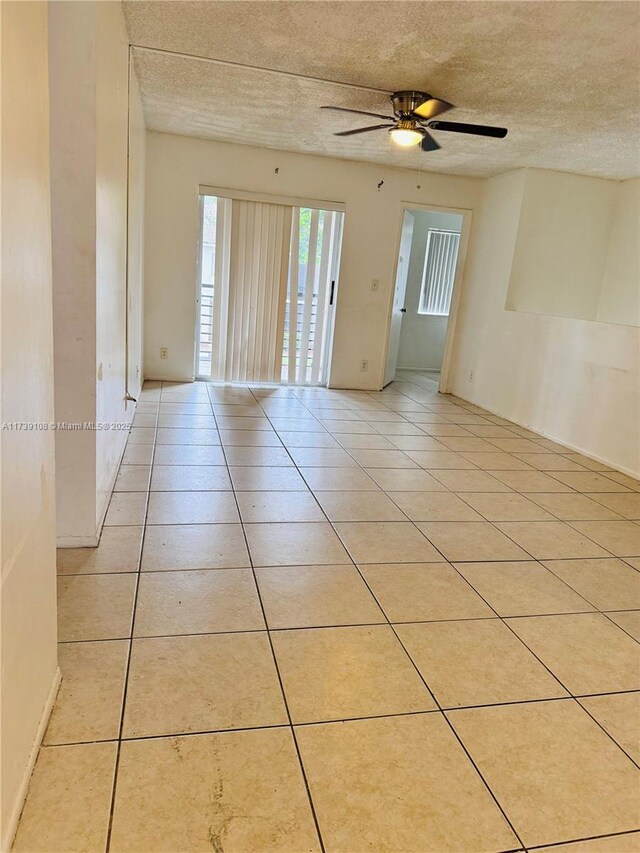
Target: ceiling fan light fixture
{"type": "Point", "coordinates": [406, 134]}
{"type": "Point", "coordinates": [414, 114]}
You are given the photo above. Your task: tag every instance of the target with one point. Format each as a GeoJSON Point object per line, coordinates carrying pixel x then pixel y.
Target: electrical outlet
{"type": "Point", "coordinates": [364, 365]}
{"type": "Point", "coordinates": [375, 284]}
{"type": "Point", "coordinates": [164, 352]}
{"type": "Point", "coordinates": [471, 375]}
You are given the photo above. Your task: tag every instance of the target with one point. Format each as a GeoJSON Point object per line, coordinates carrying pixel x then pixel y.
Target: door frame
{"type": "Point", "coordinates": [196, 358]}
{"type": "Point", "coordinates": [396, 318]}
{"type": "Point", "coordinates": [465, 230]}
{"type": "Point", "coordinates": [332, 312]}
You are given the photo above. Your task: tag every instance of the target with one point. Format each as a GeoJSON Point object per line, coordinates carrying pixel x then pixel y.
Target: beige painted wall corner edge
{"type": "Point", "coordinates": [28, 613]}
{"type": "Point", "coordinates": [574, 380]}
{"type": "Point", "coordinates": [16, 811]}
{"type": "Point", "coordinates": [97, 253]}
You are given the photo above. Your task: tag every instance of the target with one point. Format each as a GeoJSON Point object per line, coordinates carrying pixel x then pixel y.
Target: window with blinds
{"type": "Point", "coordinates": [439, 271]}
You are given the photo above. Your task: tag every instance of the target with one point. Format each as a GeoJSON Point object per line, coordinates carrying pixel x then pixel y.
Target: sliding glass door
{"type": "Point", "coordinates": [267, 275]}
{"type": "Point", "coordinates": [316, 237]}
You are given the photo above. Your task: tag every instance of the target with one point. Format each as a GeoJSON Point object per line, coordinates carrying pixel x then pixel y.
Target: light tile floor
{"type": "Point", "coordinates": [346, 621]}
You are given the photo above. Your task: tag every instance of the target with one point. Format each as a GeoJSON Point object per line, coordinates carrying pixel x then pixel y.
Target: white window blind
{"type": "Point", "coordinates": [439, 271]}
{"type": "Point", "coordinates": [251, 266]}
{"type": "Point", "coordinates": [267, 288]}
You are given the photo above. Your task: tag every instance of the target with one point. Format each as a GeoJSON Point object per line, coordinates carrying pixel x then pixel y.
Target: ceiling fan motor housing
{"type": "Point", "coordinates": [406, 103]}
{"type": "Point", "coordinates": [407, 124]}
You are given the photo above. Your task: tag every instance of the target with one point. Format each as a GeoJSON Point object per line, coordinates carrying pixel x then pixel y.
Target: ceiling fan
{"type": "Point", "coordinates": [413, 113]}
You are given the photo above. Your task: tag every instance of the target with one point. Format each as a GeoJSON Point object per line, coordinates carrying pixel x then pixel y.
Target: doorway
{"type": "Point", "coordinates": [422, 316]}
{"type": "Point", "coordinates": [267, 287]}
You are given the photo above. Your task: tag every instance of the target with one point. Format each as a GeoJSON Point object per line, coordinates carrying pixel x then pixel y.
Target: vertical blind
{"type": "Point", "coordinates": [439, 271]}
{"type": "Point", "coordinates": [251, 268]}
{"type": "Point", "coordinates": [313, 266]}
{"type": "Point", "coordinates": [267, 276]}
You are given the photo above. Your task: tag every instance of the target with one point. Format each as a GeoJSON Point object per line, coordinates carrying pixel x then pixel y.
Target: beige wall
{"type": "Point", "coordinates": [89, 106]}
{"type": "Point", "coordinates": [72, 61]}
{"type": "Point", "coordinates": [620, 295]}
{"type": "Point", "coordinates": [111, 246]}
{"type": "Point", "coordinates": [561, 247]}
{"type": "Point", "coordinates": [176, 166]}
{"type": "Point", "coordinates": [577, 249]}
{"type": "Point", "coordinates": [28, 611]}
{"type": "Point", "coordinates": [135, 258]}
{"type": "Point", "coordinates": [576, 381]}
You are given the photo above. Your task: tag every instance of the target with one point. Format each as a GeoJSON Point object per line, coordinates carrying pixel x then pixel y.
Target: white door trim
{"type": "Point", "coordinates": [196, 357]}
{"type": "Point", "coordinates": [455, 296]}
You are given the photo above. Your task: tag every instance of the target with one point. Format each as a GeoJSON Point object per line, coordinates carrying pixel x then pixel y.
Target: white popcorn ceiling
{"type": "Point", "coordinates": [563, 77]}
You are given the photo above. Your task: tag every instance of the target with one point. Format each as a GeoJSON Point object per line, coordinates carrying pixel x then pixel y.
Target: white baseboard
{"type": "Point", "coordinates": [421, 369]}
{"type": "Point", "coordinates": [576, 447]}
{"type": "Point", "coordinates": [78, 541]}
{"type": "Point", "coordinates": [109, 492]}
{"type": "Point", "coordinates": [613, 465]}
{"type": "Point", "coordinates": [177, 377]}
{"type": "Point", "coordinates": [16, 811]}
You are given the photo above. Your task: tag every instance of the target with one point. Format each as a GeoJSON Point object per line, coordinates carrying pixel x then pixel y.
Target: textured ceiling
{"type": "Point", "coordinates": [564, 77]}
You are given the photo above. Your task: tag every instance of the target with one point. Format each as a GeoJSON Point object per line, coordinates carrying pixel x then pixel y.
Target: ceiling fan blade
{"type": "Point", "coordinates": [363, 130]}
{"type": "Point", "coordinates": [432, 107]}
{"type": "Point", "coordinates": [358, 112]}
{"type": "Point", "coordinates": [476, 129]}
{"type": "Point", "coordinates": [428, 142]}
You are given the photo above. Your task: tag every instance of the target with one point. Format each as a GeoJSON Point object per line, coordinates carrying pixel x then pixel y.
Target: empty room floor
{"type": "Point", "coordinates": [429, 379]}
{"type": "Point", "coordinates": [346, 621]}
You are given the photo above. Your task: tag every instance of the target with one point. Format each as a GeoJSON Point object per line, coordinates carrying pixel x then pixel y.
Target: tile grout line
{"type": "Point", "coordinates": [325, 430]}
{"type": "Point", "coordinates": [429, 691]}
{"type": "Point", "coordinates": [588, 838]}
{"type": "Point", "coordinates": [604, 613]}
{"type": "Point", "coordinates": [570, 693]}
{"type": "Point", "coordinates": [415, 525]}
{"type": "Point", "coordinates": [130, 650]}
{"type": "Point", "coordinates": [445, 709]}
{"type": "Point", "coordinates": [637, 764]}
{"type": "Point", "coordinates": [527, 559]}
{"type": "Point", "coordinates": [498, 449]}
{"type": "Point", "coordinates": [512, 631]}
{"type": "Point", "coordinates": [444, 715]}
{"type": "Point", "coordinates": [607, 615]}
{"type": "Point", "coordinates": [347, 624]}
{"type": "Point", "coordinates": [273, 654]}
